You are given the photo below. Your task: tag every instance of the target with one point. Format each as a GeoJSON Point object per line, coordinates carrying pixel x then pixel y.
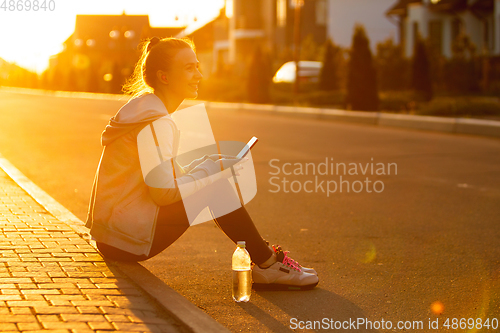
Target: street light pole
{"type": "Point", "coordinates": [298, 6]}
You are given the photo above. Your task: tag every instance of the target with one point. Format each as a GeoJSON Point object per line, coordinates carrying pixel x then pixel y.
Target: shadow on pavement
{"type": "Point", "coordinates": [314, 305]}
{"type": "Point", "coordinates": [132, 300]}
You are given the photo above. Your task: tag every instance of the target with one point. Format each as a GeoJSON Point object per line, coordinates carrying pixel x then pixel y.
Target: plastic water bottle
{"type": "Point", "coordinates": [242, 274]}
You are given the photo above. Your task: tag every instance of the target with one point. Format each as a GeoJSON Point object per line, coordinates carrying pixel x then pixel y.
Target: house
{"type": "Point", "coordinates": [231, 38]}
{"type": "Point", "coordinates": [102, 51]}
{"type": "Point", "coordinates": [207, 36]}
{"type": "Point", "coordinates": [441, 22]}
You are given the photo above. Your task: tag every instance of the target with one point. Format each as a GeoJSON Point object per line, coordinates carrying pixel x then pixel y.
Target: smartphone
{"type": "Point", "coordinates": [247, 147]}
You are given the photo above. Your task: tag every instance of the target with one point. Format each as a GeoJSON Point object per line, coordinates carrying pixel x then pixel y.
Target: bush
{"type": "Point", "coordinates": [443, 106]}
{"type": "Point", "coordinates": [398, 101]}
{"type": "Point", "coordinates": [331, 99]}
{"type": "Point", "coordinates": [282, 94]}
{"type": "Point", "coordinates": [461, 107]}
{"type": "Point", "coordinates": [461, 75]}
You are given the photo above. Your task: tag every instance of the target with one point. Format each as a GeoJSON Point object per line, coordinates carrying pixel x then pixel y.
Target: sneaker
{"type": "Point", "coordinates": [284, 274]}
{"type": "Point", "coordinates": [277, 248]}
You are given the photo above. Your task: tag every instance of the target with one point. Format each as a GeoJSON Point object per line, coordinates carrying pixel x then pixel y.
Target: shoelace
{"type": "Point", "coordinates": [290, 262]}
{"type": "Point", "coordinates": [287, 260]}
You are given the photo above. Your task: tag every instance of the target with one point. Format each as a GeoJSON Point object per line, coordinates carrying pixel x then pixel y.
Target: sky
{"type": "Point", "coordinates": [344, 14]}
{"type": "Point", "coordinates": [29, 38]}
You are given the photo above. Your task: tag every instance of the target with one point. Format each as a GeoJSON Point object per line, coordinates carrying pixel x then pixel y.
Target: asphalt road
{"type": "Point", "coordinates": [431, 235]}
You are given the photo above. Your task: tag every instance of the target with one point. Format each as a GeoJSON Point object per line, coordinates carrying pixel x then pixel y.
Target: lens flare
{"type": "Point", "coordinates": [366, 252]}
{"type": "Point", "coordinates": [437, 307]}
{"type": "Point", "coordinates": [483, 311]}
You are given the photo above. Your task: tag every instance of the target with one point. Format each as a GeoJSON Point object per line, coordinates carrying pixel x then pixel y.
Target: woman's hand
{"type": "Point", "coordinates": [195, 163]}
{"type": "Point", "coordinates": [229, 162]}
{"type": "Point", "coordinates": [216, 157]}
{"type": "Point", "coordinates": [235, 163]}
{"type": "Point", "coordinates": [211, 167]}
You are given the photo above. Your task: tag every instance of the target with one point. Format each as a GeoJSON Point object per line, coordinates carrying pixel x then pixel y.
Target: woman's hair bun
{"type": "Point", "coordinates": [152, 42]}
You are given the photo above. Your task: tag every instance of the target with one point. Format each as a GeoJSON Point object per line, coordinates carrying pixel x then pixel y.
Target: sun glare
{"type": "Point", "coordinates": [30, 37]}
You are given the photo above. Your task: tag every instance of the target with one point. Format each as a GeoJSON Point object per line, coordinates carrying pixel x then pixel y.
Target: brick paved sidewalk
{"type": "Point", "coordinates": [53, 280]}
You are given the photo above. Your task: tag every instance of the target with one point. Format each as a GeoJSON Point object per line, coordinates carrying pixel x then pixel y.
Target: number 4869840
{"type": "Point", "coordinates": [28, 5]}
{"type": "Point", "coordinates": [470, 323]}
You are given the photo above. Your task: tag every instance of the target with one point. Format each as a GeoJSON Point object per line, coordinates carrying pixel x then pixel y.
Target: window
{"type": "Point", "coordinates": [293, 3]}
{"type": "Point", "coordinates": [281, 13]}
{"type": "Point", "coordinates": [321, 13]}
{"type": "Point", "coordinates": [229, 8]}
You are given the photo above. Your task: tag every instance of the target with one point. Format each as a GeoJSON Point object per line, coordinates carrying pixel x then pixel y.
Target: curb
{"type": "Point", "coordinates": [60, 93]}
{"type": "Point", "coordinates": [177, 306]}
{"type": "Point", "coordinates": [430, 123]}
{"type": "Point", "coordinates": [458, 125]}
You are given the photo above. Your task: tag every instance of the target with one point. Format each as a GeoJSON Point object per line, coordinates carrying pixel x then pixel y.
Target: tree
{"type": "Point", "coordinates": [259, 77]}
{"type": "Point", "coordinates": [58, 79]}
{"type": "Point", "coordinates": [362, 93]}
{"type": "Point", "coordinates": [463, 47]}
{"type": "Point", "coordinates": [44, 79]}
{"type": "Point", "coordinates": [221, 66]}
{"type": "Point", "coordinates": [392, 67]}
{"type": "Point", "coordinates": [93, 77]}
{"type": "Point", "coordinates": [117, 79]}
{"type": "Point", "coordinates": [461, 73]}
{"type": "Point", "coordinates": [329, 78]}
{"type": "Point", "coordinates": [72, 80]}
{"type": "Point", "coordinates": [421, 78]}
{"type": "Point", "coordinates": [309, 50]}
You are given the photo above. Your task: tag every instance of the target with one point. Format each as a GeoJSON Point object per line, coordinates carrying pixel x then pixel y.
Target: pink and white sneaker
{"type": "Point", "coordinates": [277, 248]}
{"type": "Point", "coordinates": [284, 274]}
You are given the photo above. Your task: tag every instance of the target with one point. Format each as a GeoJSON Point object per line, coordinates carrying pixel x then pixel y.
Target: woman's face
{"type": "Point", "coordinates": [184, 75]}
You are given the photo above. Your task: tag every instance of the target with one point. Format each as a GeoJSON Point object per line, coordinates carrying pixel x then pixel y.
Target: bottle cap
{"type": "Point", "coordinates": [242, 243]}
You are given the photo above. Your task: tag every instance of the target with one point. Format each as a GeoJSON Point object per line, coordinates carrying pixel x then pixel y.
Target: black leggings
{"type": "Point", "coordinates": [173, 221]}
